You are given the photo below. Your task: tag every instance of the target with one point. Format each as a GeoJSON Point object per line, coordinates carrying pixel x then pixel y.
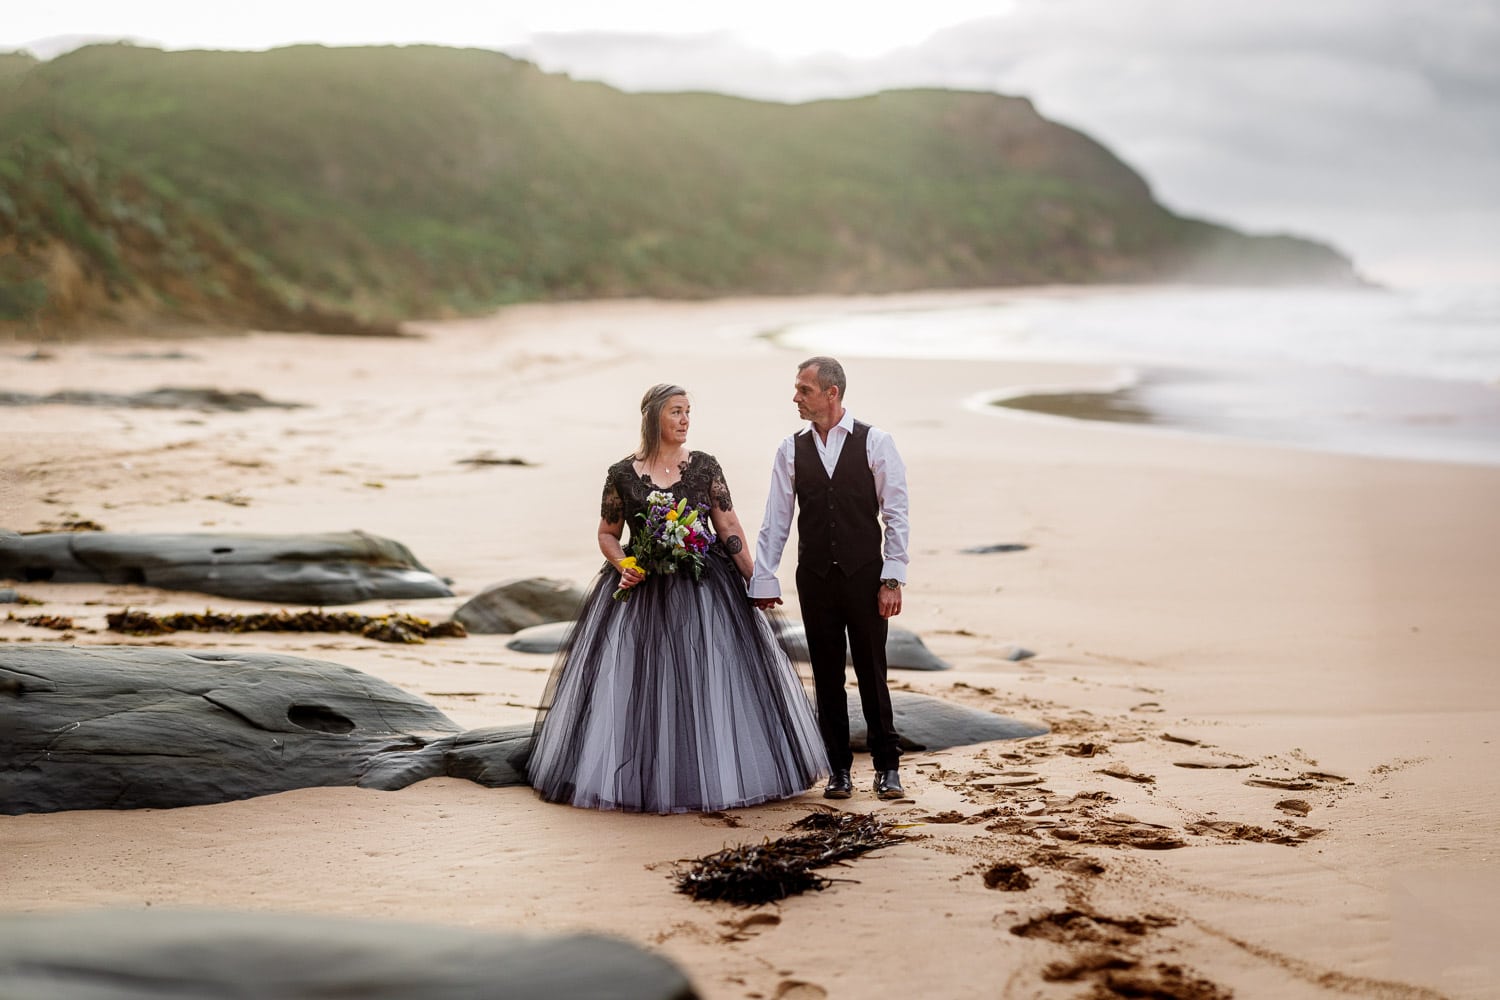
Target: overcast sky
{"type": "Point", "coordinates": [1373, 124]}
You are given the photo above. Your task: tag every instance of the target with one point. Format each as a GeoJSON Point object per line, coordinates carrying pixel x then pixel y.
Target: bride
{"type": "Point", "coordinates": [678, 699]}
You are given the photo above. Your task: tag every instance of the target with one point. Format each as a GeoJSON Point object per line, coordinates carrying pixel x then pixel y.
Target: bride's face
{"type": "Point", "coordinates": [674, 421]}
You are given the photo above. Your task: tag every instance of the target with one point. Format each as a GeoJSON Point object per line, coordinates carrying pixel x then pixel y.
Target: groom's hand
{"type": "Point", "coordinates": [765, 603]}
{"type": "Point", "coordinates": [889, 602]}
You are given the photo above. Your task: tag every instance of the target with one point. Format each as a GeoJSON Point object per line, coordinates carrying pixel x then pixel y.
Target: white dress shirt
{"type": "Point", "coordinates": [890, 486]}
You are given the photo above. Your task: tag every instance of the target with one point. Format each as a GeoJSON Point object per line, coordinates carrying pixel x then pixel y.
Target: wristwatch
{"type": "Point", "coordinates": [891, 583]}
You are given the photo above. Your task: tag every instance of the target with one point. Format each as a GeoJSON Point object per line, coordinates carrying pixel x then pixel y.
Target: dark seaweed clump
{"type": "Point", "coordinates": [751, 874]}
{"type": "Point", "coordinates": [395, 627]}
{"type": "Point", "coordinates": [59, 623]}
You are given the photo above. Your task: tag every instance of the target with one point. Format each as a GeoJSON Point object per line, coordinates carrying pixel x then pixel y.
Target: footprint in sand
{"type": "Point", "coordinates": [1230, 830]}
{"type": "Point", "coordinates": [948, 816]}
{"type": "Point", "coordinates": [1010, 779]}
{"type": "Point", "coordinates": [1301, 783]}
{"type": "Point", "coordinates": [1209, 764]}
{"type": "Point", "coordinates": [1285, 784]}
{"type": "Point", "coordinates": [748, 927]}
{"type": "Point", "coordinates": [1141, 836]}
{"type": "Point", "coordinates": [796, 989]}
{"type": "Point", "coordinates": [1007, 877]}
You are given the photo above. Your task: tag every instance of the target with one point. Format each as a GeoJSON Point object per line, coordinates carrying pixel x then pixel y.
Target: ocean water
{"type": "Point", "coordinates": [1407, 374]}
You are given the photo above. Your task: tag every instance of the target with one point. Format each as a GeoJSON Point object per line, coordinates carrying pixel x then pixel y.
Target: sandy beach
{"type": "Point", "coordinates": [1221, 628]}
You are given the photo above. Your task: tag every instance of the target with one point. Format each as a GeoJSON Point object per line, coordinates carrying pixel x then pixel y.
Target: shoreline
{"type": "Point", "coordinates": [1291, 611]}
{"type": "Point", "coordinates": [1254, 407]}
{"type": "Point", "coordinates": [1306, 403]}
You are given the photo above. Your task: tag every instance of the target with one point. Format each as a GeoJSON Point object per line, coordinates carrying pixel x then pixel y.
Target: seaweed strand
{"type": "Point", "coordinates": [395, 627]}
{"type": "Point", "coordinates": [751, 874]}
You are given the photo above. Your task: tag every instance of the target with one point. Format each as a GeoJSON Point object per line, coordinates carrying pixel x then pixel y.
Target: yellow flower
{"type": "Point", "coordinates": [629, 563]}
{"type": "Point", "coordinates": [672, 515]}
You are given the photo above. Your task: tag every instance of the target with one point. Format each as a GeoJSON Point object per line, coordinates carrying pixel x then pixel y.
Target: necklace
{"type": "Point", "coordinates": [660, 474]}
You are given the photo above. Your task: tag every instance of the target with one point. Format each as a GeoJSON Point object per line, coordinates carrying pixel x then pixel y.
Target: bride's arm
{"type": "Point", "coordinates": [609, 544]}
{"type": "Point", "coordinates": [727, 527]}
{"type": "Point", "coordinates": [611, 527]}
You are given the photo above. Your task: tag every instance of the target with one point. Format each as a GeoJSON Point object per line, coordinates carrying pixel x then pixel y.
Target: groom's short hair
{"type": "Point", "coordinates": [830, 372]}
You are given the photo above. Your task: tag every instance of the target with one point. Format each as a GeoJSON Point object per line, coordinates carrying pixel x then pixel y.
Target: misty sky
{"type": "Point", "coordinates": [1373, 124]}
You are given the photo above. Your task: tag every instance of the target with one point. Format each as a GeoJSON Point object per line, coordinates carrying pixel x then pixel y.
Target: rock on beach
{"type": "Point", "coordinates": [547, 638]}
{"type": "Point", "coordinates": [130, 727]}
{"type": "Point", "coordinates": [519, 604]}
{"type": "Point", "coordinates": [904, 649]}
{"type": "Point", "coordinates": [315, 569]}
{"type": "Point", "coordinates": [205, 399]}
{"type": "Point", "coordinates": [926, 723]}
{"type": "Point", "coordinates": [133, 954]}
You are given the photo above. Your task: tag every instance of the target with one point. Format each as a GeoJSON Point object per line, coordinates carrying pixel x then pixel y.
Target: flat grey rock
{"type": "Point", "coordinates": [904, 649]}
{"type": "Point", "coordinates": [314, 569]}
{"type": "Point", "coordinates": [485, 458]}
{"type": "Point", "coordinates": [125, 727]}
{"type": "Point", "coordinates": [8, 596]}
{"type": "Point", "coordinates": [984, 550]}
{"type": "Point", "coordinates": [494, 757]}
{"type": "Point", "coordinates": [547, 638]}
{"type": "Point", "coordinates": [519, 604]}
{"type": "Point", "coordinates": [165, 398]}
{"type": "Point", "coordinates": [209, 955]}
{"type": "Point", "coordinates": [926, 723]}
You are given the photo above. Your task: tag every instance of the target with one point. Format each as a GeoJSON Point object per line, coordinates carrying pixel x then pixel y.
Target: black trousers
{"type": "Point", "coordinates": [842, 616]}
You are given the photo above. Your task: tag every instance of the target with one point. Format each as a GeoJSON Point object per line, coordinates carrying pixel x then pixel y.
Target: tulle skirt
{"type": "Point", "coordinates": [677, 700]}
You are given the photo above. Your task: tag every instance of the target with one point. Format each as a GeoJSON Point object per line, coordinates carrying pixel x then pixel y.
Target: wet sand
{"type": "Point", "coordinates": [1322, 408]}
{"type": "Point", "coordinates": [1267, 672]}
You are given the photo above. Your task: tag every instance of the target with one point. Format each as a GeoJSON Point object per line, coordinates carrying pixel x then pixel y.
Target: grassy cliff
{"type": "Point", "coordinates": [343, 189]}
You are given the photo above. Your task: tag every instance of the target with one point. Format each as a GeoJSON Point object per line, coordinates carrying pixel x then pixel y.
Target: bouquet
{"type": "Point", "coordinates": [671, 537]}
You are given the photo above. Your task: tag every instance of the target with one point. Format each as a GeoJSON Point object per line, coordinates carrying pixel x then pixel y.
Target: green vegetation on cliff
{"type": "Point", "coordinates": [343, 189]}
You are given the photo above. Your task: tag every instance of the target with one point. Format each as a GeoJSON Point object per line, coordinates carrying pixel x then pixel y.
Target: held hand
{"type": "Point", "coordinates": [766, 603]}
{"type": "Point", "coordinates": [889, 602]}
{"type": "Point", "coordinates": [629, 577]}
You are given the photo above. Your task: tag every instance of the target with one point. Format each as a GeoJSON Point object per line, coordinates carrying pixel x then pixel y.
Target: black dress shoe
{"type": "Point", "coordinates": [839, 786]}
{"type": "Point", "coordinates": [888, 785]}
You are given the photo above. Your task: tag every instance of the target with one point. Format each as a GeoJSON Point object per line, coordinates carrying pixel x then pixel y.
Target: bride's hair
{"type": "Point", "coordinates": [652, 403]}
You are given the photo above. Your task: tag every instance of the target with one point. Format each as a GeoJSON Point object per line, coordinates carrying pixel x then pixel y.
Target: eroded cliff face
{"type": "Point", "coordinates": [87, 247]}
{"type": "Point", "coordinates": [341, 190]}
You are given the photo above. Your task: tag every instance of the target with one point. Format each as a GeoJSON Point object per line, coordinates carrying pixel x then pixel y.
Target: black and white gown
{"type": "Point", "coordinates": [679, 699]}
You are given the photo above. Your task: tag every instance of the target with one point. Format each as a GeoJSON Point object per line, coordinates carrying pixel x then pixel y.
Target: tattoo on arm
{"type": "Point", "coordinates": [733, 544]}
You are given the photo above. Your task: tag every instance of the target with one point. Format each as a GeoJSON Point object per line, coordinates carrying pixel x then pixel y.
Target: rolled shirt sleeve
{"type": "Point", "coordinates": [776, 524]}
{"type": "Point", "coordinates": [890, 486]}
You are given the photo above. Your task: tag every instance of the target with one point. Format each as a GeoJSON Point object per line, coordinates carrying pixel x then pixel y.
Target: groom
{"type": "Point", "coordinates": [847, 478]}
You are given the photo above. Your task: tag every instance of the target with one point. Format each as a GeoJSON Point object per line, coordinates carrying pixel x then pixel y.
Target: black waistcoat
{"type": "Point", "coordinates": [838, 524]}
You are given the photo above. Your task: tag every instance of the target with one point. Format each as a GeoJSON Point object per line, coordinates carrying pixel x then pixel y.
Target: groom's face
{"type": "Point", "coordinates": [813, 401]}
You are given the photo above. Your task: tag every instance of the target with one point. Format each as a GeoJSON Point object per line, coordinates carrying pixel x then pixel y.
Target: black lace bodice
{"type": "Point", "coordinates": [625, 490]}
